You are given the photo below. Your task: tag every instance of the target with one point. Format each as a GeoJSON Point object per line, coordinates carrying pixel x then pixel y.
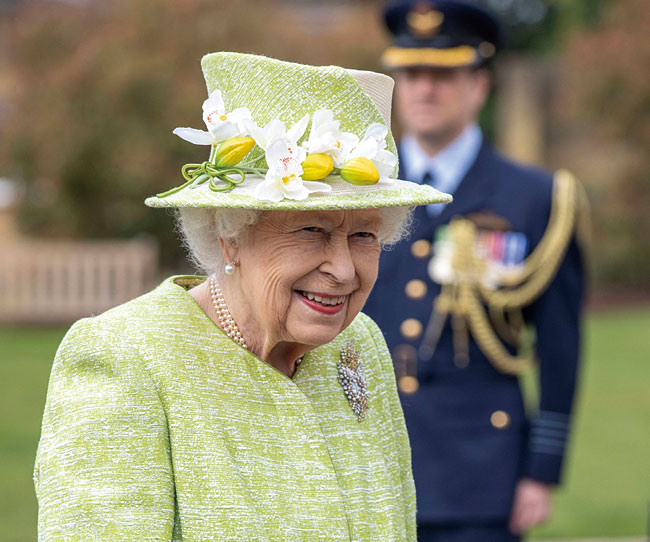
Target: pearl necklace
{"type": "Point", "coordinates": [226, 321]}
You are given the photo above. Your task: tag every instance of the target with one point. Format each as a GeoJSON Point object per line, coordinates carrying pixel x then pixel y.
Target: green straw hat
{"type": "Point", "coordinates": [289, 136]}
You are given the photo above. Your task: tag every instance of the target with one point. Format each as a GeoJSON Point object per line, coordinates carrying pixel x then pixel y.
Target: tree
{"type": "Point", "coordinates": [98, 93]}
{"type": "Point", "coordinates": [603, 132]}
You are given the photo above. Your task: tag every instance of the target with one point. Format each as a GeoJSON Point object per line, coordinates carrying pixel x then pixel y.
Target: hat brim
{"type": "Point", "coordinates": [410, 57]}
{"type": "Point", "coordinates": [386, 193]}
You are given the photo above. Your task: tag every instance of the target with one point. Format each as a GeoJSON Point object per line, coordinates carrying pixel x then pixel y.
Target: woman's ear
{"type": "Point", "coordinates": [229, 250]}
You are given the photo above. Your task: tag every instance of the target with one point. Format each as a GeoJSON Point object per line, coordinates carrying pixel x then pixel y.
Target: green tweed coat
{"type": "Point", "coordinates": [159, 427]}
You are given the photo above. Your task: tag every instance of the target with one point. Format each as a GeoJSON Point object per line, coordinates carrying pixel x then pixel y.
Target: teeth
{"type": "Point", "coordinates": [324, 300]}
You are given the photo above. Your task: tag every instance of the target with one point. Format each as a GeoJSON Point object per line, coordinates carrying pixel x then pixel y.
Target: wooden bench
{"type": "Point", "coordinates": [61, 281]}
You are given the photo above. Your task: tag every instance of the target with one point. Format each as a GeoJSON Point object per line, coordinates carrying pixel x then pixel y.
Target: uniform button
{"type": "Point", "coordinates": [416, 289]}
{"type": "Point", "coordinates": [408, 385]}
{"type": "Point", "coordinates": [421, 248]}
{"type": "Point", "coordinates": [411, 328]}
{"type": "Point", "coordinates": [500, 419]}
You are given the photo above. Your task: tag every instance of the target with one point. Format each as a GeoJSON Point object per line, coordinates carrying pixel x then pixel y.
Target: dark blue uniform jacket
{"type": "Point", "coordinates": [466, 466]}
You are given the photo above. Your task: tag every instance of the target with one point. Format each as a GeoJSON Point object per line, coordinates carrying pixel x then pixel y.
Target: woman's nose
{"type": "Point", "coordinates": [338, 261]}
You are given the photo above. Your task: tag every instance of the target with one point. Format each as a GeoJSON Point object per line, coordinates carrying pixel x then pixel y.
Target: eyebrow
{"type": "Point", "coordinates": [308, 217]}
{"type": "Point", "coordinates": [326, 218]}
{"type": "Point", "coordinates": [371, 222]}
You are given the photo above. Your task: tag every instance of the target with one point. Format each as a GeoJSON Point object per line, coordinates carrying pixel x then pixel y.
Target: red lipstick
{"type": "Point", "coordinates": [319, 307]}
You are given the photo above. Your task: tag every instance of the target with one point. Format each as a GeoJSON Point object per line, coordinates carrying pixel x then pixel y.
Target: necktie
{"type": "Point", "coordinates": [434, 209]}
{"type": "Point", "coordinates": [429, 179]}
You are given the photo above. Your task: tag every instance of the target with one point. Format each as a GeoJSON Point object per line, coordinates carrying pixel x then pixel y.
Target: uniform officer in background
{"type": "Point", "coordinates": [457, 301]}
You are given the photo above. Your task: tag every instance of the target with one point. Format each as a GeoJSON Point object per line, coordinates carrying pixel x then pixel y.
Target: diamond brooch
{"type": "Point", "coordinates": [353, 380]}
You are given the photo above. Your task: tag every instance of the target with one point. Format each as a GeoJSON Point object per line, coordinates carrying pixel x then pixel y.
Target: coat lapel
{"type": "Point", "coordinates": [471, 191]}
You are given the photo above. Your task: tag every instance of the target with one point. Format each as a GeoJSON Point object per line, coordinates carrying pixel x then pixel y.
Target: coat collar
{"type": "Point", "coordinates": [473, 188]}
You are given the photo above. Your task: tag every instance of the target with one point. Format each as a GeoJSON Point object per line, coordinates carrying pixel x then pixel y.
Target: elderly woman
{"type": "Point", "coordinates": [259, 403]}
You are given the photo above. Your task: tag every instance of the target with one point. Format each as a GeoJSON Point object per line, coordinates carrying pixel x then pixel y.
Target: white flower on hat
{"type": "Point", "coordinates": [373, 147]}
{"type": "Point", "coordinates": [326, 137]}
{"type": "Point", "coordinates": [274, 130]}
{"type": "Point", "coordinates": [221, 125]}
{"type": "Point", "coordinates": [283, 179]}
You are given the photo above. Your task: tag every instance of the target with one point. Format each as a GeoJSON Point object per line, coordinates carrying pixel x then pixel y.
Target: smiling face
{"type": "Point", "coordinates": [438, 103]}
{"type": "Point", "coordinates": [303, 276]}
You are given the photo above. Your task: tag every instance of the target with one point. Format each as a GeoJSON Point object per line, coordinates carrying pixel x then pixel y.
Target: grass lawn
{"type": "Point", "coordinates": [607, 486]}
{"type": "Point", "coordinates": [25, 359]}
{"type": "Point", "coordinates": [606, 489]}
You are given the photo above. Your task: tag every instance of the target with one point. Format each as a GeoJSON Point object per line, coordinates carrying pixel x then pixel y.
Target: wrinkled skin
{"type": "Point", "coordinates": [288, 252]}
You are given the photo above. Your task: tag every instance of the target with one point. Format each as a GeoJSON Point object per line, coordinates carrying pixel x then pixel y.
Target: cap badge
{"type": "Point", "coordinates": [424, 20]}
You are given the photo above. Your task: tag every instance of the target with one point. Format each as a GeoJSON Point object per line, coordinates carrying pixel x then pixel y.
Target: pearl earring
{"type": "Point", "coordinates": [229, 268]}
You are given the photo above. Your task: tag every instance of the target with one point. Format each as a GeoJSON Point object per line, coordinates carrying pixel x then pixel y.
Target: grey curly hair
{"type": "Point", "coordinates": [200, 228]}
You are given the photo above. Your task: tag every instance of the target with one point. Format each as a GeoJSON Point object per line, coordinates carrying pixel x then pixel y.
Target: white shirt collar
{"type": "Point", "coordinates": [449, 166]}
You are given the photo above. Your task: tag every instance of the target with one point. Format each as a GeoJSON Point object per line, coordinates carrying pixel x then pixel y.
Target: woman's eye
{"type": "Point", "coordinates": [364, 234]}
{"type": "Point", "coordinates": [314, 229]}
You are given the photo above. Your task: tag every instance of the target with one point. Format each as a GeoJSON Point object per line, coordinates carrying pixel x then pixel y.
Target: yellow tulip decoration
{"type": "Point", "coordinates": [360, 171]}
{"type": "Point", "coordinates": [224, 162]}
{"type": "Point", "coordinates": [232, 151]}
{"type": "Point", "coordinates": [317, 166]}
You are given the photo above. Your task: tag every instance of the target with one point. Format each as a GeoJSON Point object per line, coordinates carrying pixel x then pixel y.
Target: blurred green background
{"type": "Point", "coordinates": [91, 90]}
